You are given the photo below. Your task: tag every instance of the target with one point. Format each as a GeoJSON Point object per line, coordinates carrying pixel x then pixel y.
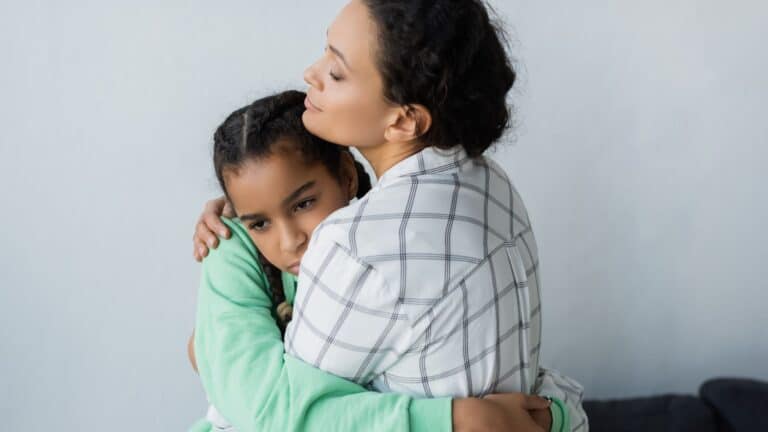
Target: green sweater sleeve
{"type": "Point", "coordinates": [257, 387]}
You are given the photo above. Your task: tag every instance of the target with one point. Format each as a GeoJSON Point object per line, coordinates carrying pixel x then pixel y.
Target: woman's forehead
{"type": "Point", "coordinates": [352, 35]}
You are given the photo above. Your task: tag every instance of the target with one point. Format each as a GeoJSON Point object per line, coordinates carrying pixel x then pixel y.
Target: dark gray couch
{"type": "Point", "coordinates": [723, 405]}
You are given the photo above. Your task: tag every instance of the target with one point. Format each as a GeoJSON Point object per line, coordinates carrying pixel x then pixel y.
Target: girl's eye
{"type": "Point", "coordinates": [334, 76]}
{"type": "Point", "coordinates": [259, 225]}
{"type": "Point", "coordinates": [303, 205]}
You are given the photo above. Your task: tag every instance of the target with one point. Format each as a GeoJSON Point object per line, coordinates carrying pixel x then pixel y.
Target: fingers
{"type": "Point", "coordinates": [211, 218]}
{"type": "Point", "coordinates": [533, 402]}
{"type": "Point", "coordinates": [209, 227]}
{"type": "Point", "coordinates": [200, 250]}
{"type": "Point", "coordinates": [228, 211]}
{"type": "Point", "coordinates": [543, 418]}
{"type": "Point", "coordinates": [204, 239]}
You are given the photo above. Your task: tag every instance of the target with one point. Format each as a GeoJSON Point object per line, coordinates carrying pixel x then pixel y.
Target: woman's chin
{"type": "Point", "coordinates": [310, 120]}
{"type": "Point", "coordinates": [307, 118]}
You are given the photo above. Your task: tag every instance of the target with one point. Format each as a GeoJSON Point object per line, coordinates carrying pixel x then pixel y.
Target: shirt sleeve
{"type": "Point", "coordinates": [346, 319]}
{"type": "Point", "coordinates": [552, 383]}
{"type": "Point", "coordinates": [256, 386]}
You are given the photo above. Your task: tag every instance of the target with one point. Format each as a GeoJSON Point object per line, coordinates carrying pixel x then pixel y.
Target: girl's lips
{"type": "Point", "coordinates": [310, 106]}
{"type": "Point", "coordinates": [294, 269]}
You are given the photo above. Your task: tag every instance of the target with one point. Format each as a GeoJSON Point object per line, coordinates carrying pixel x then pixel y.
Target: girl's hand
{"type": "Point", "coordinates": [543, 418]}
{"type": "Point", "coordinates": [499, 412]}
{"type": "Point", "coordinates": [209, 225]}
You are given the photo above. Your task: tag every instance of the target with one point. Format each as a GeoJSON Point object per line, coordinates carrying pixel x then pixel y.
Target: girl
{"type": "Point", "coordinates": [282, 182]}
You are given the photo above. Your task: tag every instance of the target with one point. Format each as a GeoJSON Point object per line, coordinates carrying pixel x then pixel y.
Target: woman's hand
{"type": "Point", "coordinates": [500, 412]}
{"type": "Point", "coordinates": [209, 227]}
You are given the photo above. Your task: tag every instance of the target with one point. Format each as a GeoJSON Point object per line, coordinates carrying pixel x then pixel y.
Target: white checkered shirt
{"type": "Point", "coordinates": [428, 286]}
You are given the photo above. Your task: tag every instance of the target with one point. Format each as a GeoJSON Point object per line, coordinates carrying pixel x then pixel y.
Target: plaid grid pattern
{"type": "Point", "coordinates": [428, 286]}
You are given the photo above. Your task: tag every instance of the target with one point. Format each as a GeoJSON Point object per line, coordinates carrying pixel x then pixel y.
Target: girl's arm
{"type": "Point", "coordinates": [242, 366]}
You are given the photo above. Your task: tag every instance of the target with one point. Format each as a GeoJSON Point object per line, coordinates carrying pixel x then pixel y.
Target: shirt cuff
{"type": "Point", "coordinates": [427, 415]}
{"type": "Point", "coordinates": [560, 418]}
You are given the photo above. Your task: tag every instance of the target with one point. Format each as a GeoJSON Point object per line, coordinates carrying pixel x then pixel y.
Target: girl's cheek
{"type": "Point", "coordinates": [266, 245]}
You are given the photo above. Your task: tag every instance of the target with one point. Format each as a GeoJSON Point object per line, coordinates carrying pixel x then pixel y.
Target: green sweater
{"type": "Point", "coordinates": [256, 386]}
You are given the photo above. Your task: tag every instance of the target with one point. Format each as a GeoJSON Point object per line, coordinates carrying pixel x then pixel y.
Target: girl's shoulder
{"type": "Point", "coordinates": [238, 241]}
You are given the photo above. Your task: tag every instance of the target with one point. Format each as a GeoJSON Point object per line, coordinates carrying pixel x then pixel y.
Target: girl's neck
{"type": "Point", "coordinates": [385, 156]}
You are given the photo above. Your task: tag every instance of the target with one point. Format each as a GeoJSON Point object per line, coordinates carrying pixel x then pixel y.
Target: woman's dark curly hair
{"type": "Point", "coordinates": [449, 56]}
{"type": "Point", "coordinates": [253, 131]}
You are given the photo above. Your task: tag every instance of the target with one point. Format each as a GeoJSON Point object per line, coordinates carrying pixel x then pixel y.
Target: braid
{"type": "Point", "coordinates": [244, 139]}
{"type": "Point", "coordinates": [275, 280]}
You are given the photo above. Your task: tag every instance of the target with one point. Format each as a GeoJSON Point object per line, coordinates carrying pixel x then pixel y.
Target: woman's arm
{"type": "Point", "coordinates": [243, 368]}
{"type": "Point", "coordinates": [239, 353]}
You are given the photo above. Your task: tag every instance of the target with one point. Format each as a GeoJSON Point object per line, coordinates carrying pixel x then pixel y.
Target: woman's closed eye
{"type": "Point", "coordinates": [334, 76]}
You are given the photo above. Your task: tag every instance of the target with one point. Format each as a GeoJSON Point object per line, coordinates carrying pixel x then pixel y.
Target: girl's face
{"type": "Point", "coordinates": [345, 101]}
{"type": "Point", "coordinates": [281, 199]}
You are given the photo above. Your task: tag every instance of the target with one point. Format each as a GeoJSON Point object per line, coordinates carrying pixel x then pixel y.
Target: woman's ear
{"type": "Point", "coordinates": [408, 123]}
{"type": "Point", "coordinates": [349, 180]}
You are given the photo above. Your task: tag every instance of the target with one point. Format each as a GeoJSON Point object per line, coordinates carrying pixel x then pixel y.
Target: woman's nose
{"type": "Point", "coordinates": [311, 77]}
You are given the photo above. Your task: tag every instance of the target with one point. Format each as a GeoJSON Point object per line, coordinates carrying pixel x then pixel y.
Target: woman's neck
{"type": "Point", "coordinates": [385, 156]}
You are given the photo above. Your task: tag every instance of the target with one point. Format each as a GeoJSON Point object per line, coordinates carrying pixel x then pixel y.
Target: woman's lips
{"type": "Point", "coordinates": [310, 106]}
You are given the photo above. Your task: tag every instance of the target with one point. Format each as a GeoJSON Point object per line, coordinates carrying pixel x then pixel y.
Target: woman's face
{"type": "Point", "coordinates": [345, 102]}
{"type": "Point", "coordinates": [281, 199]}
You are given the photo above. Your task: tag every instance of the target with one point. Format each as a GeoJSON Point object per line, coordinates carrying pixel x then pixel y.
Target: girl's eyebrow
{"type": "Point", "coordinates": [298, 192]}
{"type": "Point", "coordinates": [251, 216]}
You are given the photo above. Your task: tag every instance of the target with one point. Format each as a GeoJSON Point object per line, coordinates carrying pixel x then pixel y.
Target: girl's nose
{"type": "Point", "coordinates": [292, 239]}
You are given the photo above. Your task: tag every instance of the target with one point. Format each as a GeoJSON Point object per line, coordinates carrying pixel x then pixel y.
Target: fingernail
{"type": "Point", "coordinates": [201, 251]}
{"type": "Point", "coordinates": [223, 233]}
{"type": "Point", "coordinates": [210, 243]}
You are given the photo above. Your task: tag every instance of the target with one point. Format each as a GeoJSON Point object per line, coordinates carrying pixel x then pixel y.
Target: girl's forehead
{"type": "Point", "coordinates": [280, 167]}
{"type": "Point", "coordinates": [267, 185]}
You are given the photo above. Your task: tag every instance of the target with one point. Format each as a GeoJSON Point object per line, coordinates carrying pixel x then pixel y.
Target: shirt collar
{"type": "Point", "coordinates": [430, 160]}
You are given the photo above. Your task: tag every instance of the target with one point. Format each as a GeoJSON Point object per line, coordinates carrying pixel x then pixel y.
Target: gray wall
{"type": "Point", "coordinates": [641, 128]}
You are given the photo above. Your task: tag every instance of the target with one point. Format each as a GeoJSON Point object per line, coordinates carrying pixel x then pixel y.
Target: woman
{"type": "Point", "coordinates": [429, 284]}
